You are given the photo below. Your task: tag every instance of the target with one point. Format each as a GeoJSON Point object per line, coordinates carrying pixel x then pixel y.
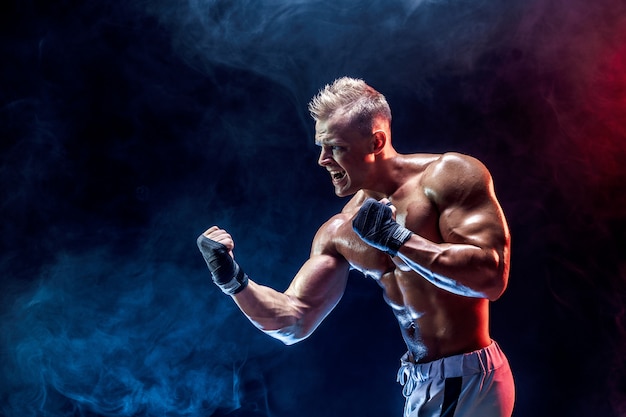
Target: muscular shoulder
{"type": "Point", "coordinates": [456, 178]}
{"type": "Point", "coordinates": [325, 240]}
{"type": "Point", "coordinates": [336, 230]}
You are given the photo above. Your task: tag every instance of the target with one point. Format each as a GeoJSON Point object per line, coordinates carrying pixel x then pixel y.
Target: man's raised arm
{"type": "Point", "coordinates": [473, 258]}
{"type": "Point", "coordinates": [288, 316]}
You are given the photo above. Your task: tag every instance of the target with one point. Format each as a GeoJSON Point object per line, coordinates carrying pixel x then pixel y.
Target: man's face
{"type": "Point", "coordinates": [345, 154]}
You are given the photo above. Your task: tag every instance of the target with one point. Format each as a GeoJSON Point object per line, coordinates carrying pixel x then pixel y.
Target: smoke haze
{"type": "Point", "coordinates": [128, 128]}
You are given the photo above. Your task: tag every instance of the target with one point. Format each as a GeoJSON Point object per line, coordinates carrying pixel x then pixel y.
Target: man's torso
{"type": "Point", "coordinates": [434, 322]}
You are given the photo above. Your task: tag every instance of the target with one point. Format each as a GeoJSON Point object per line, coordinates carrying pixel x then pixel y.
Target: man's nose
{"type": "Point", "coordinates": [324, 157]}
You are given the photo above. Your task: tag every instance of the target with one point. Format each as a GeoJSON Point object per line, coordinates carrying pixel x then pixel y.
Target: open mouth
{"type": "Point", "coordinates": [337, 175]}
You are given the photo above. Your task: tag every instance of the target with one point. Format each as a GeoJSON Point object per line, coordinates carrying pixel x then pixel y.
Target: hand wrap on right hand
{"type": "Point", "coordinates": [374, 224]}
{"type": "Point", "coordinates": [225, 272]}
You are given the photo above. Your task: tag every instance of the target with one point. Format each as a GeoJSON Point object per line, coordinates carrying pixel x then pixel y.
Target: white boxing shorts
{"type": "Point", "coordinates": [475, 384]}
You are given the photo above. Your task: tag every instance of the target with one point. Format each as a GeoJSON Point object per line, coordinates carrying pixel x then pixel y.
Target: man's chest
{"type": "Point", "coordinates": [417, 214]}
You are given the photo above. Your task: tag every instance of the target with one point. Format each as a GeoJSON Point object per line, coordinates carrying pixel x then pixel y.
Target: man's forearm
{"type": "Point", "coordinates": [461, 269]}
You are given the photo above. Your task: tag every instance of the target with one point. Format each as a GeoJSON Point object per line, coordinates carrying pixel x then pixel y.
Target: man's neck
{"type": "Point", "coordinates": [389, 176]}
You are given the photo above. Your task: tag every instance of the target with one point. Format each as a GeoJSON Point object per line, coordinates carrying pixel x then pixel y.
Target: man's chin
{"type": "Point", "coordinates": [344, 192]}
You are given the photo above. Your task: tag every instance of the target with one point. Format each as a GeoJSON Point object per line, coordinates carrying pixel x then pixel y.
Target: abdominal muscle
{"type": "Point", "coordinates": [435, 323]}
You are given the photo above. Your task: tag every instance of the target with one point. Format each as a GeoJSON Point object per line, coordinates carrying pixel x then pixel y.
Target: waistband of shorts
{"type": "Point", "coordinates": [478, 361]}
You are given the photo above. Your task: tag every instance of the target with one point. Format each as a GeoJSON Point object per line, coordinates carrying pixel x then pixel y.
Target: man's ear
{"type": "Point", "coordinates": [378, 141]}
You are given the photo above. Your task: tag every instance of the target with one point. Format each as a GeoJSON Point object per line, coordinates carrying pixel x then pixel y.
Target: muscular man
{"type": "Point", "coordinates": [427, 228]}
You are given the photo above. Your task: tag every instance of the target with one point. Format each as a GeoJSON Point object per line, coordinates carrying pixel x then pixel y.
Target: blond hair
{"type": "Point", "coordinates": [352, 98]}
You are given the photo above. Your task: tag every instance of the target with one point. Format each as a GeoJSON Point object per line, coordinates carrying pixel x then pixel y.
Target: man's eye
{"type": "Point", "coordinates": [336, 148]}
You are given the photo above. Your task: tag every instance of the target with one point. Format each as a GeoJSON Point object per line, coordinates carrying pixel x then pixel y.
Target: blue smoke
{"type": "Point", "coordinates": [302, 45]}
{"type": "Point", "coordinates": [122, 338]}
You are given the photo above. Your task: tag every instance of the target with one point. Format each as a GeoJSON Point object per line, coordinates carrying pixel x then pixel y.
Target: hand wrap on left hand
{"type": "Point", "coordinates": [374, 224]}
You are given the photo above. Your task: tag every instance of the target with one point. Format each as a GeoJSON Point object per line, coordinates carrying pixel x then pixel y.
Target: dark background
{"type": "Point", "coordinates": [129, 127]}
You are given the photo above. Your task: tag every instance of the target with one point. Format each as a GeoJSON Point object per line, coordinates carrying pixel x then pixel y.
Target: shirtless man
{"type": "Point", "coordinates": [427, 228]}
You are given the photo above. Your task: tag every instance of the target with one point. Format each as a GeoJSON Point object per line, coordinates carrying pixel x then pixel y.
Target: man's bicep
{"type": "Point", "coordinates": [318, 287]}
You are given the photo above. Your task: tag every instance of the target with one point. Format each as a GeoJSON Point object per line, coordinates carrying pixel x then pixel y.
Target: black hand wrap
{"type": "Point", "coordinates": [375, 225]}
{"type": "Point", "coordinates": [225, 272]}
